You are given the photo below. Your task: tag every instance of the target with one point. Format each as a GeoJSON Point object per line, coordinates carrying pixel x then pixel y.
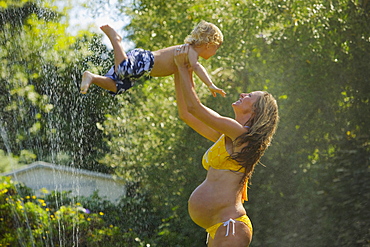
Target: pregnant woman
{"type": "Point", "coordinates": [239, 143]}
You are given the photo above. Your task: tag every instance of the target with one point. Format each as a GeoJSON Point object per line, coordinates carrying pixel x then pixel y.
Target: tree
{"type": "Point", "coordinates": [312, 56]}
{"type": "Point", "coordinates": [41, 108]}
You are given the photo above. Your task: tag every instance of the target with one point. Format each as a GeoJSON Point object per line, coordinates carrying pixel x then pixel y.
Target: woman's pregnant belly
{"type": "Point", "coordinates": [216, 200]}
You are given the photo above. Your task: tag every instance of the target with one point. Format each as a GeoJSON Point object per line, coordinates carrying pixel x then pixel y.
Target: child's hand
{"type": "Point", "coordinates": [215, 90]}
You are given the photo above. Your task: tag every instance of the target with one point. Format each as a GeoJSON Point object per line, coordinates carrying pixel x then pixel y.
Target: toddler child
{"type": "Point", "coordinates": [204, 41]}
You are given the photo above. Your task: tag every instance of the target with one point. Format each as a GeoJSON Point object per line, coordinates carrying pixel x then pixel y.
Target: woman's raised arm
{"type": "Point", "coordinates": [224, 125]}
{"type": "Point", "coordinates": [188, 118]}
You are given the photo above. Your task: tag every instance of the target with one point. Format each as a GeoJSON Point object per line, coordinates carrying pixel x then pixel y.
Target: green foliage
{"type": "Point", "coordinates": [313, 56]}
{"type": "Point", "coordinates": [29, 220]}
{"type": "Point", "coordinates": [41, 109]}
{"type": "Point", "coordinates": [325, 86]}
{"type": "Point", "coordinates": [7, 162]}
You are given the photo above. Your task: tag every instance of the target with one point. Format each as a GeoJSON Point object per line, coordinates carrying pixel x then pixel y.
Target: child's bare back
{"type": "Point", "coordinates": [164, 64]}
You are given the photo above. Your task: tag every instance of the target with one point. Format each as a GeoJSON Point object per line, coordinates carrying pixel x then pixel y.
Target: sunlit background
{"type": "Point", "coordinates": [96, 170]}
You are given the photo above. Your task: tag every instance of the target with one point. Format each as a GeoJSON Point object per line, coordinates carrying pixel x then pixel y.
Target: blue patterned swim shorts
{"type": "Point", "coordinates": [139, 63]}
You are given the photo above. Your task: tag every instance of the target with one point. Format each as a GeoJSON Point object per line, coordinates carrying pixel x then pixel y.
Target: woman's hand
{"type": "Point", "coordinates": [181, 56]}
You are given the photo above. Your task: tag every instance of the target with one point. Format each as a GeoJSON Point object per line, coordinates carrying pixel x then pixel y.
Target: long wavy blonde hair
{"type": "Point", "coordinates": [262, 126]}
{"type": "Point", "coordinates": [203, 33]}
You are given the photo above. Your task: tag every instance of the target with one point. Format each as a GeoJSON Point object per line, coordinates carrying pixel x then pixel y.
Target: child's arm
{"type": "Point", "coordinates": [201, 72]}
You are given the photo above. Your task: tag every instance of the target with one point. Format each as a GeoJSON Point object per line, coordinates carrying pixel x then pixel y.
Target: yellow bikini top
{"type": "Point", "coordinates": [217, 157]}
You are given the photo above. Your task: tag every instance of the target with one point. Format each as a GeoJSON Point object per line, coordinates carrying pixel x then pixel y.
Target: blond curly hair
{"type": "Point", "coordinates": [203, 33]}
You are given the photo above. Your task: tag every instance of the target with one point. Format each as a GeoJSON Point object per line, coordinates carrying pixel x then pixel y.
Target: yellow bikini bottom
{"type": "Point", "coordinates": [213, 229]}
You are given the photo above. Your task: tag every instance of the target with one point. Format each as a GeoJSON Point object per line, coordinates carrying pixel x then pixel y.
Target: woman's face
{"type": "Point", "coordinates": [246, 101]}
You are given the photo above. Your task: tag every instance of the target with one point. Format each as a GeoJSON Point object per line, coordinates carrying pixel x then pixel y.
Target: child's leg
{"type": "Point", "coordinates": [116, 40]}
{"type": "Point", "coordinates": [119, 56]}
{"type": "Point", "coordinates": [101, 81]}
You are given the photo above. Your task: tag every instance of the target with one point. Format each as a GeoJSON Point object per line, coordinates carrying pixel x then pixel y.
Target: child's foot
{"type": "Point", "coordinates": [111, 33]}
{"type": "Point", "coordinates": [86, 82]}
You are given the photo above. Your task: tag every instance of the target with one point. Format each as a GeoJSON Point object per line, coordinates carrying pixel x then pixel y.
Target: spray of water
{"type": "Point", "coordinates": [43, 116]}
